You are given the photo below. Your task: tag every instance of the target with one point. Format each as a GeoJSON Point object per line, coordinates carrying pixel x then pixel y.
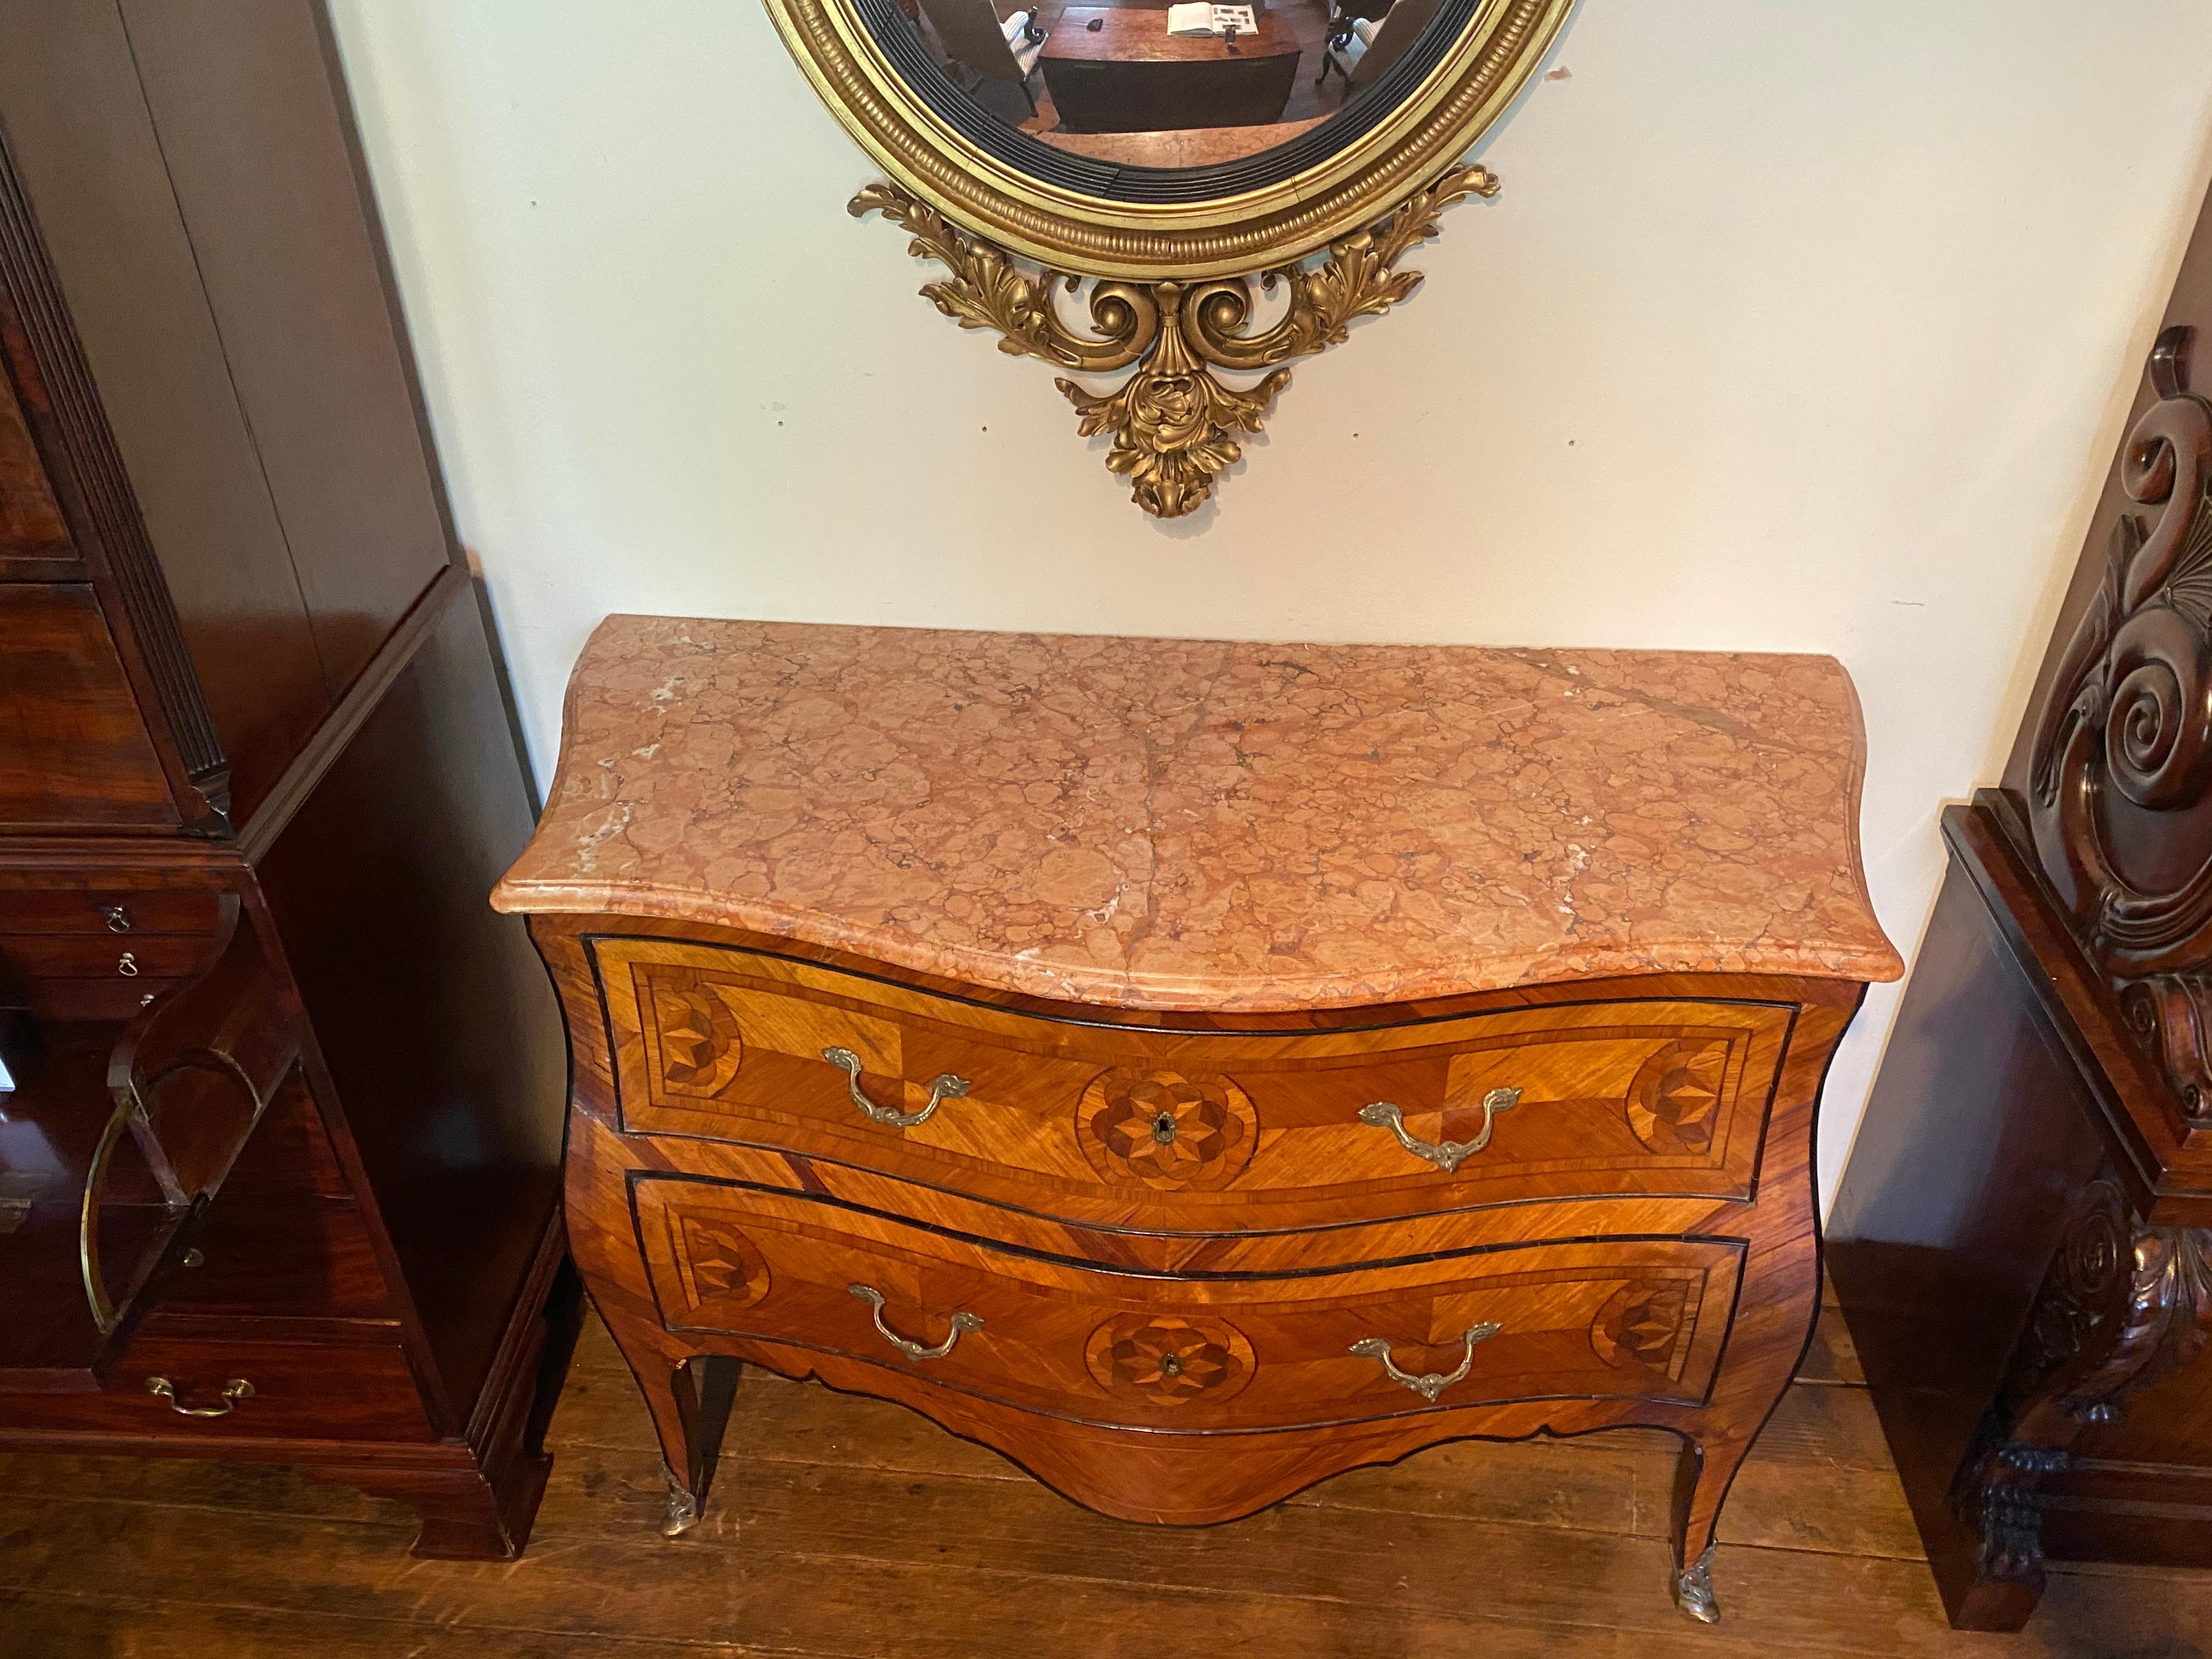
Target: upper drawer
{"type": "Point", "coordinates": [119, 911]}
{"type": "Point", "coordinates": [1605, 1319]}
{"type": "Point", "coordinates": [1207, 1132]}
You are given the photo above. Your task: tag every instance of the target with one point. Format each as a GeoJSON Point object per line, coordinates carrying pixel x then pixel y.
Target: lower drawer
{"type": "Point", "coordinates": [300, 1390]}
{"type": "Point", "coordinates": [1628, 1318]}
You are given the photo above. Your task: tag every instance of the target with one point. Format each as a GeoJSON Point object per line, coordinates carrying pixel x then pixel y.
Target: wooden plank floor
{"type": "Point", "coordinates": [849, 1528]}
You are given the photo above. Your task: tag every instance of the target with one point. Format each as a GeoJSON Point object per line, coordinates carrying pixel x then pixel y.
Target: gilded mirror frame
{"type": "Point", "coordinates": [1172, 281]}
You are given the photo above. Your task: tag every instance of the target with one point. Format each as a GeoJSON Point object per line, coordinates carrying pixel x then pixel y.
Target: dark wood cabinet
{"type": "Point", "coordinates": [2022, 1241]}
{"type": "Point", "coordinates": [279, 1171]}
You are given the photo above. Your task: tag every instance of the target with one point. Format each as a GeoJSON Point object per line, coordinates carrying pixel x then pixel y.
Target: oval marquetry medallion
{"type": "Point", "coordinates": [1157, 1360]}
{"type": "Point", "coordinates": [700, 1048]}
{"type": "Point", "coordinates": [1673, 1102]}
{"type": "Point", "coordinates": [1639, 1325]}
{"type": "Point", "coordinates": [717, 1263]}
{"type": "Point", "coordinates": [1166, 1131]}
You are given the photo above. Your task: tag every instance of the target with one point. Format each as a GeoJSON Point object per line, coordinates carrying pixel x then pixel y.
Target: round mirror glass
{"type": "Point", "coordinates": [1157, 101]}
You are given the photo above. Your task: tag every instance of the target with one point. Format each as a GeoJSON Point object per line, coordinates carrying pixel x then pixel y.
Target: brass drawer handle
{"type": "Point", "coordinates": [128, 967]}
{"type": "Point", "coordinates": [943, 1088]}
{"type": "Point", "coordinates": [1429, 1384]}
{"type": "Point", "coordinates": [1448, 1156]}
{"type": "Point", "coordinates": [118, 919]}
{"type": "Point", "coordinates": [962, 1324]}
{"type": "Point", "coordinates": [236, 1390]}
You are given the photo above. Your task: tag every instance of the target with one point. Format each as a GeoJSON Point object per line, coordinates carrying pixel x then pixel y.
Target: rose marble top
{"type": "Point", "coordinates": [1185, 823]}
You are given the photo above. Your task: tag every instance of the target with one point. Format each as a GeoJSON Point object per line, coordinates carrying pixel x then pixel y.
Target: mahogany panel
{"type": "Point", "coordinates": [262, 1258]}
{"type": "Point", "coordinates": [74, 749]}
{"type": "Point", "coordinates": [91, 163]}
{"type": "Point", "coordinates": [1937, 1245]}
{"type": "Point", "coordinates": [290, 1155]}
{"type": "Point", "coordinates": [31, 524]}
{"type": "Point", "coordinates": [250, 105]}
{"type": "Point", "coordinates": [441, 1040]}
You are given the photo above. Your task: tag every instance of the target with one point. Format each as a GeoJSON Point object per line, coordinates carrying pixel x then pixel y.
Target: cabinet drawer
{"type": "Point", "coordinates": [1201, 1131]}
{"type": "Point", "coordinates": [301, 1390]}
{"type": "Point", "coordinates": [118, 912]}
{"type": "Point", "coordinates": [103, 956]}
{"type": "Point", "coordinates": [1631, 1318]}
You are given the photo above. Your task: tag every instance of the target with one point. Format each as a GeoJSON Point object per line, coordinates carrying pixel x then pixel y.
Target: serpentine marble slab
{"type": "Point", "coordinates": [1184, 823]}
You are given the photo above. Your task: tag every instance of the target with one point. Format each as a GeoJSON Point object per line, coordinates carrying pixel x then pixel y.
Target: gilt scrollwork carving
{"type": "Point", "coordinates": [1173, 423]}
{"type": "Point", "coordinates": [2121, 1304]}
{"type": "Point", "coordinates": [2124, 739]}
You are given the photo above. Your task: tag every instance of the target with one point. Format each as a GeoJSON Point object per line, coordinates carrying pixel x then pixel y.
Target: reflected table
{"type": "Point", "coordinates": [1129, 75]}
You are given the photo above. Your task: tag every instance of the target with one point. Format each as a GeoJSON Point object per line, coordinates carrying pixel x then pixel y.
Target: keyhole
{"type": "Point", "coordinates": [1164, 1128]}
{"type": "Point", "coordinates": [1171, 1365]}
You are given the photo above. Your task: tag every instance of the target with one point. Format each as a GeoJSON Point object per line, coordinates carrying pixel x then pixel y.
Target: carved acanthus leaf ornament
{"type": "Point", "coordinates": [2121, 1305]}
{"type": "Point", "coordinates": [1173, 422]}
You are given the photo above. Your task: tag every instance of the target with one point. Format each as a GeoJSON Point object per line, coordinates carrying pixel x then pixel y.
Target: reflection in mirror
{"type": "Point", "coordinates": [1158, 84]}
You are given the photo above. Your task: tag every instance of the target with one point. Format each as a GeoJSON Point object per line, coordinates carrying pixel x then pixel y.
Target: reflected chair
{"type": "Point", "coordinates": [1344, 18]}
{"type": "Point", "coordinates": [975, 41]}
{"type": "Point", "coordinates": [1360, 48]}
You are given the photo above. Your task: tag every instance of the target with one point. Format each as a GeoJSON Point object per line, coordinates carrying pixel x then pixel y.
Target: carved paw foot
{"type": "Point", "coordinates": [683, 1510]}
{"type": "Point", "coordinates": [1693, 1590]}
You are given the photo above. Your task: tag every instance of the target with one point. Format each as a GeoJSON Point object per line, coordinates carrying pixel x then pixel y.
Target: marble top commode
{"type": "Point", "coordinates": [894, 966]}
{"type": "Point", "coordinates": [1179, 824]}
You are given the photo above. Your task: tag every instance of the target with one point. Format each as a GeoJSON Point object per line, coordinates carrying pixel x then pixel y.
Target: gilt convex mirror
{"type": "Point", "coordinates": [1183, 196]}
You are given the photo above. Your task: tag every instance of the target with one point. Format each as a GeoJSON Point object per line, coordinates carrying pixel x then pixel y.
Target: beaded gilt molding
{"type": "Point", "coordinates": [1173, 422]}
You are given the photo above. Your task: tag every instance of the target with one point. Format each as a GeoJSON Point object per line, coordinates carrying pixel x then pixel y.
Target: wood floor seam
{"type": "Point", "coordinates": [742, 1650]}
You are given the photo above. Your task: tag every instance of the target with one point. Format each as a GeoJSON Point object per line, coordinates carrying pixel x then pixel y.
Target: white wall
{"type": "Point", "coordinates": [1798, 326]}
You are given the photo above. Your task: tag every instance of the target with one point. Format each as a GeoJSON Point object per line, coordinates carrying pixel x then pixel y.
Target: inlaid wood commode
{"type": "Point", "coordinates": [1194, 1069]}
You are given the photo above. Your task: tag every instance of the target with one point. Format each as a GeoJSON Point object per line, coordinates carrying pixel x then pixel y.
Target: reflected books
{"type": "Point", "coordinates": [1201, 17]}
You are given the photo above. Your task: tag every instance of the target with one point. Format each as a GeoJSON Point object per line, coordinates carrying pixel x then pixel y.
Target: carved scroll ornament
{"type": "Point", "coordinates": [1173, 422]}
{"type": "Point", "coordinates": [2126, 729]}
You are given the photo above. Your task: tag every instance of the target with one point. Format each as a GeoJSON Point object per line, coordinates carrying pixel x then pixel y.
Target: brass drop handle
{"type": "Point", "coordinates": [1449, 1155]}
{"type": "Point", "coordinates": [128, 967]}
{"type": "Point", "coordinates": [962, 1324]}
{"type": "Point", "coordinates": [236, 1390]}
{"type": "Point", "coordinates": [118, 919]}
{"type": "Point", "coordinates": [1429, 1384]}
{"type": "Point", "coordinates": [942, 1088]}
